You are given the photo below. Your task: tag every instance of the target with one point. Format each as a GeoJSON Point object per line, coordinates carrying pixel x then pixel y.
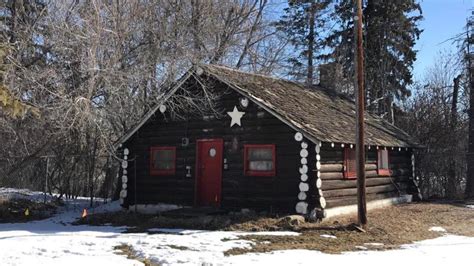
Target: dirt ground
{"type": "Point", "coordinates": [14, 210]}
{"type": "Point", "coordinates": [388, 228]}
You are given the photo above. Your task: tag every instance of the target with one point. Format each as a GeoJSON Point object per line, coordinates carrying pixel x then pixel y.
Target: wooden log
{"type": "Point", "coordinates": [369, 190]}
{"type": "Point", "coordinates": [331, 167]}
{"type": "Point", "coordinates": [339, 184]}
{"type": "Point", "coordinates": [332, 175]}
{"type": "Point", "coordinates": [352, 200]}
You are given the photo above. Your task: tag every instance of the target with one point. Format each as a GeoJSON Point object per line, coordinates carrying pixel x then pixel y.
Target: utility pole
{"type": "Point", "coordinates": [360, 102]}
{"type": "Point", "coordinates": [470, 71]}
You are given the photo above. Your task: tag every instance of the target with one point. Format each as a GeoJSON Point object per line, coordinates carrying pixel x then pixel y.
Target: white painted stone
{"type": "Point", "coordinates": [318, 157]}
{"type": "Point", "coordinates": [124, 179]}
{"type": "Point", "coordinates": [318, 174]}
{"type": "Point", "coordinates": [123, 194]}
{"type": "Point", "coordinates": [304, 153]}
{"type": "Point", "coordinates": [304, 161]}
{"type": "Point", "coordinates": [125, 157]}
{"type": "Point", "coordinates": [304, 145]}
{"type": "Point", "coordinates": [318, 165]}
{"type": "Point", "coordinates": [322, 202]}
{"type": "Point", "coordinates": [298, 136]}
{"type": "Point", "coordinates": [162, 108]}
{"type": "Point", "coordinates": [332, 145]}
{"type": "Point", "coordinates": [342, 145]}
{"type": "Point", "coordinates": [303, 169]}
{"type": "Point", "coordinates": [302, 195]}
{"type": "Point", "coordinates": [124, 185]}
{"type": "Point", "coordinates": [351, 146]}
{"type": "Point", "coordinates": [124, 172]}
{"type": "Point", "coordinates": [121, 201]}
{"type": "Point", "coordinates": [124, 164]}
{"type": "Point", "coordinates": [126, 151]}
{"type": "Point", "coordinates": [319, 182]}
{"type": "Point", "coordinates": [304, 177]}
{"type": "Point", "coordinates": [304, 186]}
{"type": "Point", "coordinates": [317, 149]}
{"type": "Point", "coordinates": [301, 207]}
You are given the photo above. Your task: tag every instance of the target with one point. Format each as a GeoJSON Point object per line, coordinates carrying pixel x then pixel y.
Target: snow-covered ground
{"type": "Point", "coordinates": [55, 242]}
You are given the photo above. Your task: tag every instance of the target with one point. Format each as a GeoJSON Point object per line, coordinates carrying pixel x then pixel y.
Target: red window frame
{"type": "Point", "coordinates": [383, 171]}
{"type": "Point", "coordinates": [350, 162]}
{"type": "Point", "coordinates": [161, 171]}
{"type": "Point", "coordinates": [249, 172]}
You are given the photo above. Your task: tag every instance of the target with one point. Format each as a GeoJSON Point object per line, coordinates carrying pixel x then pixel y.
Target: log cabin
{"type": "Point", "coordinates": [233, 140]}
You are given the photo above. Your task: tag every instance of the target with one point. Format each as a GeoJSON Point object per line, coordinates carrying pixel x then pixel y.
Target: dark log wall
{"type": "Point", "coordinates": [339, 191]}
{"type": "Point", "coordinates": [278, 193]}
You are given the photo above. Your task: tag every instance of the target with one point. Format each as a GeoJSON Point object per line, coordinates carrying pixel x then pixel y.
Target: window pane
{"type": "Point", "coordinates": [163, 159]}
{"type": "Point", "coordinates": [261, 165]}
{"type": "Point", "coordinates": [164, 155]}
{"type": "Point", "coordinates": [260, 154]}
{"type": "Point", "coordinates": [383, 159]}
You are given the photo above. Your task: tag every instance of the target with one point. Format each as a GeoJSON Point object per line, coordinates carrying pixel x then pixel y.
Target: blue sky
{"type": "Point", "coordinates": [443, 19]}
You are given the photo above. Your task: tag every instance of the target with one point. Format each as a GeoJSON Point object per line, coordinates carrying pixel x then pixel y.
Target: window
{"type": "Point", "coordinates": [350, 171]}
{"type": "Point", "coordinates": [259, 160]}
{"type": "Point", "coordinates": [382, 163]}
{"type": "Point", "coordinates": [163, 160]}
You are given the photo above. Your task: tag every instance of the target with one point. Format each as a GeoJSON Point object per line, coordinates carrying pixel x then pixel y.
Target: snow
{"type": "Point", "coordinates": [328, 236]}
{"type": "Point", "coordinates": [437, 229]}
{"type": "Point", "coordinates": [470, 206]}
{"type": "Point", "coordinates": [55, 241]}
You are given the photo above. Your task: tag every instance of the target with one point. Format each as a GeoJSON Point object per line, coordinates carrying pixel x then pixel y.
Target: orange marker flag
{"type": "Point", "coordinates": [84, 213]}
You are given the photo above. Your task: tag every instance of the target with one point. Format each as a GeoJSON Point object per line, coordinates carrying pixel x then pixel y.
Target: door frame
{"type": "Point", "coordinates": [196, 171]}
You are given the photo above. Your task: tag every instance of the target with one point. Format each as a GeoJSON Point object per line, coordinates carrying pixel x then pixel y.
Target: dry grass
{"type": "Point", "coordinates": [13, 210]}
{"type": "Point", "coordinates": [132, 254]}
{"type": "Point", "coordinates": [391, 226]}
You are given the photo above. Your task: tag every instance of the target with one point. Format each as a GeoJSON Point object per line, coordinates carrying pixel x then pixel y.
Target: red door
{"type": "Point", "coordinates": [209, 171]}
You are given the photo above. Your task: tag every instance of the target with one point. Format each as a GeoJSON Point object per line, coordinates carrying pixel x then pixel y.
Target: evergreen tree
{"type": "Point", "coordinates": [390, 30]}
{"type": "Point", "coordinates": [303, 23]}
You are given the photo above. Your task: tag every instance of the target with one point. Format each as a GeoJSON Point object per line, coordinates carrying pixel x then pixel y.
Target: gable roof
{"type": "Point", "coordinates": [319, 113]}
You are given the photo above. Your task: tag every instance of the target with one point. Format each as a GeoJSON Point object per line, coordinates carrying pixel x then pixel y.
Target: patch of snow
{"type": "Point", "coordinates": [470, 206]}
{"type": "Point", "coordinates": [154, 208]}
{"type": "Point", "coordinates": [18, 193]}
{"type": "Point", "coordinates": [328, 236]}
{"type": "Point", "coordinates": [437, 229]}
{"type": "Point", "coordinates": [55, 241]}
{"type": "Point", "coordinates": [374, 244]}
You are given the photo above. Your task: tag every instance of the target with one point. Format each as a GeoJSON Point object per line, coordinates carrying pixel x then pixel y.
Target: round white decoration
{"type": "Point", "coordinates": [126, 151]}
{"type": "Point", "coordinates": [304, 187]}
{"type": "Point", "coordinates": [303, 169]}
{"type": "Point", "coordinates": [124, 179]}
{"type": "Point", "coordinates": [304, 177]}
{"type": "Point", "coordinates": [212, 152]}
{"type": "Point", "coordinates": [298, 136]}
{"type": "Point", "coordinates": [244, 102]}
{"type": "Point", "coordinates": [302, 195]}
{"type": "Point", "coordinates": [124, 164]}
{"type": "Point", "coordinates": [304, 145]}
{"type": "Point", "coordinates": [304, 161]}
{"type": "Point", "coordinates": [162, 108]}
{"type": "Point", "coordinates": [304, 153]}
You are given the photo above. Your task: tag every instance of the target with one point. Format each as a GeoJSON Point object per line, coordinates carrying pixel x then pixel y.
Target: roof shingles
{"type": "Point", "coordinates": [321, 113]}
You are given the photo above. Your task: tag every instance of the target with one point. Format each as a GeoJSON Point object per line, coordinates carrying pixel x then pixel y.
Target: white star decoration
{"type": "Point", "coordinates": [236, 115]}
